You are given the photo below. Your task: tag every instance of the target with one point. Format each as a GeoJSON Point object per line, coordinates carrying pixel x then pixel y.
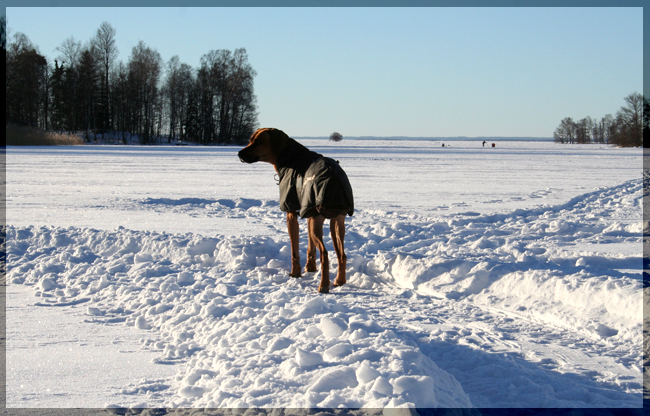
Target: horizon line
{"type": "Point", "coordinates": [434, 137]}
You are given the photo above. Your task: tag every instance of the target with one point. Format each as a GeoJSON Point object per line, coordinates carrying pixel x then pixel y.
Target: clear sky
{"type": "Point", "coordinates": [390, 71]}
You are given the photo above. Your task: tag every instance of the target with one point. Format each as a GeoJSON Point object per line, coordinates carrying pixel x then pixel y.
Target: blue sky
{"type": "Point", "coordinates": [391, 71]}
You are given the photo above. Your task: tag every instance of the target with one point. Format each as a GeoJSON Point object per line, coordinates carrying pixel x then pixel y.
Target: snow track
{"type": "Point", "coordinates": [531, 308]}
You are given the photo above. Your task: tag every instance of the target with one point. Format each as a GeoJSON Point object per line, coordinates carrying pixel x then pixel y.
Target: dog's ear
{"type": "Point", "coordinates": [279, 140]}
{"type": "Point", "coordinates": [257, 133]}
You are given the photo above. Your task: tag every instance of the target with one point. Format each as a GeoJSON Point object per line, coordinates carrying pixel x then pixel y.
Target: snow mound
{"type": "Point", "coordinates": [550, 263]}
{"type": "Point", "coordinates": [250, 336]}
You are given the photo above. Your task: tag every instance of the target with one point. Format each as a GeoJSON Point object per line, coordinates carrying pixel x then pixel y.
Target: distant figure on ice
{"type": "Point", "coordinates": [484, 143]}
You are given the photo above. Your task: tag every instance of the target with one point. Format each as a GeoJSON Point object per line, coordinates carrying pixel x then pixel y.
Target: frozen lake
{"type": "Point", "coordinates": [478, 276]}
{"type": "Point", "coordinates": [146, 187]}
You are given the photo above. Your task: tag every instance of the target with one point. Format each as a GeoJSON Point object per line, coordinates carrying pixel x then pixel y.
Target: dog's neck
{"type": "Point", "coordinates": [295, 156]}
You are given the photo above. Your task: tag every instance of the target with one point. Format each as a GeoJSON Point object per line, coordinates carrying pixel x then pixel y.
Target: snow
{"type": "Point", "coordinates": [477, 277]}
{"type": "Point", "coordinates": [50, 366]}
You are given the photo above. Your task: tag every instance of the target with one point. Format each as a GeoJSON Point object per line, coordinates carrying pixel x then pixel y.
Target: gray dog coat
{"type": "Point", "coordinates": [312, 184]}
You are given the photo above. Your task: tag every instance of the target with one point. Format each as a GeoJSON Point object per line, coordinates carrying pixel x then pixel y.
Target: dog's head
{"type": "Point", "coordinates": [265, 146]}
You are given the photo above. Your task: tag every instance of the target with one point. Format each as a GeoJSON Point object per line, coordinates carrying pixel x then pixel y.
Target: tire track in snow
{"type": "Point", "coordinates": [505, 362]}
{"type": "Point", "coordinates": [458, 258]}
{"type": "Point", "coordinates": [475, 254]}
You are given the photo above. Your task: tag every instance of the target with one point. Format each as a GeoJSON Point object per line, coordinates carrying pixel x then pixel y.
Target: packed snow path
{"type": "Point", "coordinates": [529, 308]}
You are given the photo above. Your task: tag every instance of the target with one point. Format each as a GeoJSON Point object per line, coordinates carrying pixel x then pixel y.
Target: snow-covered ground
{"type": "Point", "coordinates": [478, 277]}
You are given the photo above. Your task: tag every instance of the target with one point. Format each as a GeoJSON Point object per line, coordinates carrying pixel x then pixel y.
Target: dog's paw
{"type": "Point", "coordinates": [295, 272]}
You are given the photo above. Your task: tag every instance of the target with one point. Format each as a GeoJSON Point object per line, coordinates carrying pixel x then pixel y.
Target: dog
{"type": "Point", "coordinates": [311, 186]}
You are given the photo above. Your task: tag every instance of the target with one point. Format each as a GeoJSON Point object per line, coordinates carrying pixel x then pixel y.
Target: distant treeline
{"type": "Point", "coordinates": [627, 128]}
{"type": "Point", "coordinates": [87, 89]}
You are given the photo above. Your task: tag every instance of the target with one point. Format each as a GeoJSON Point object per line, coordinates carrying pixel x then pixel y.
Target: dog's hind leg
{"type": "Point", "coordinates": [311, 250]}
{"type": "Point", "coordinates": [316, 232]}
{"type": "Point", "coordinates": [294, 235]}
{"type": "Point", "coordinates": [337, 229]}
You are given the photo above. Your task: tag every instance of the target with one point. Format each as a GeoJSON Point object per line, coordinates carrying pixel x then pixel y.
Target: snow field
{"type": "Point", "coordinates": [535, 303]}
{"type": "Point", "coordinates": [252, 337]}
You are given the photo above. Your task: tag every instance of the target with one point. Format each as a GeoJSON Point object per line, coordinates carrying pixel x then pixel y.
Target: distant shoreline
{"type": "Point", "coordinates": [437, 139]}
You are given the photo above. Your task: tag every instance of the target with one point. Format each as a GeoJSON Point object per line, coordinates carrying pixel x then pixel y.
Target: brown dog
{"type": "Point", "coordinates": [312, 186]}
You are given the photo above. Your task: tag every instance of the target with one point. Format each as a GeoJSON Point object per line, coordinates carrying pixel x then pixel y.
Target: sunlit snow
{"type": "Point", "coordinates": [477, 277]}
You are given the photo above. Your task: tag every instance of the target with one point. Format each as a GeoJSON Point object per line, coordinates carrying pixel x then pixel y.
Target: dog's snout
{"type": "Point", "coordinates": [245, 157]}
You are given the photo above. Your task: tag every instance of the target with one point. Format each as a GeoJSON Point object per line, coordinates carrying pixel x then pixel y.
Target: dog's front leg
{"type": "Point", "coordinates": [294, 235]}
{"type": "Point", "coordinates": [311, 249]}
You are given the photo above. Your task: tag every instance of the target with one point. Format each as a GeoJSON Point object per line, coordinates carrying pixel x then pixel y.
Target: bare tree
{"type": "Point", "coordinates": [227, 110]}
{"type": "Point", "coordinates": [104, 42]}
{"type": "Point", "coordinates": [631, 116]}
{"type": "Point", "coordinates": [88, 78]}
{"type": "Point", "coordinates": [336, 137]}
{"type": "Point", "coordinates": [26, 74]}
{"type": "Point", "coordinates": [119, 98]}
{"type": "Point", "coordinates": [583, 130]}
{"type": "Point", "coordinates": [176, 91]}
{"type": "Point", "coordinates": [566, 131]}
{"type": "Point", "coordinates": [170, 92]}
{"type": "Point", "coordinates": [600, 129]}
{"type": "Point", "coordinates": [70, 51]}
{"type": "Point", "coordinates": [69, 56]}
{"type": "Point", "coordinates": [144, 69]}
{"type": "Point", "coordinates": [242, 116]}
